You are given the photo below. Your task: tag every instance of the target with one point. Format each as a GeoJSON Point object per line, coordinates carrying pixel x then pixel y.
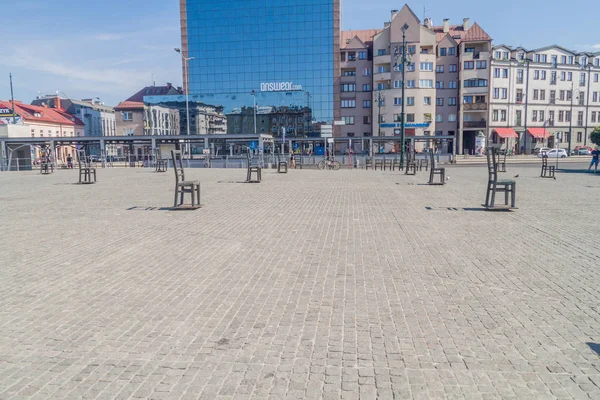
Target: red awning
{"type": "Point", "coordinates": [539, 133]}
{"type": "Point", "coordinates": [506, 132]}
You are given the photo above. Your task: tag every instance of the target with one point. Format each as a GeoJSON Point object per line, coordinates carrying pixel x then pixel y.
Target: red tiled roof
{"type": "Point", "coordinates": [366, 35]}
{"type": "Point", "coordinates": [475, 34]}
{"type": "Point", "coordinates": [130, 105]}
{"type": "Point", "coordinates": [34, 114]}
{"type": "Point", "coordinates": [155, 91]}
{"type": "Point", "coordinates": [73, 118]}
{"type": "Point", "coordinates": [458, 33]}
{"type": "Point", "coordinates": [506, 132]}
{"type": "Point", "coordinates": [539, 133]}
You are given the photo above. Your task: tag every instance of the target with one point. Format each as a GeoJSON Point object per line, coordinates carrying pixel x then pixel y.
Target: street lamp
{"type": "Point", "coordinates": [380, 102]}
{"type": "Point", "coordinates": [186, 85]}
{"type": "Point", "coordinates": [405, 60]}
{"type": "Point", "coordinates": [253, 93]}
{"type": "Point", "coordinates": [525, 61]}
{"type": "Point", "coordinates": [578, 91]}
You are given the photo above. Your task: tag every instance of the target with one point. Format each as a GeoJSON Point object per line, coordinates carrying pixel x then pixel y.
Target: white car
{"type": "Point", "coordinates": [554, 153]}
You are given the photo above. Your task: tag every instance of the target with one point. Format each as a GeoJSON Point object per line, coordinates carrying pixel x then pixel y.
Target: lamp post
{"type": "Point", "coordinates": [527, 60]}
{"type": "Point", "coordinates": [186, 85]}
{"type": "Point", "coordinates": [571, 113]}
{"type": "Point", "coordinates": [254, 97]}
{"type": "Point", "coordinates": [380, 102]}
{"type": "Point", "coordinates": [405, 60]}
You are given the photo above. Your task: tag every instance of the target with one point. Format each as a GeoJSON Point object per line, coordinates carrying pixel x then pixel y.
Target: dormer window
{"type": "Point", "coordinates": [37, 115]}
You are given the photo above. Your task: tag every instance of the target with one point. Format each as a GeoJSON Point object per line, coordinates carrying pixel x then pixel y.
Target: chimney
{"type": "Point", "coordinates": [427, 23]}
{"type": "Point", "coordinates": [57, 102]}
{"type": "Point", "coordinates": [169, 85]}
{"type": "Point", "coordinates": [394, 13]}
{"type": "Point", "coordinates": [446, 25]}
{"type": "Point", "coordinates": [466, 24]}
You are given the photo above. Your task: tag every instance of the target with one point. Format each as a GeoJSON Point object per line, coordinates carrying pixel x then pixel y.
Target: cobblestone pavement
{"type": "Point", "coordinates": [314, 284]}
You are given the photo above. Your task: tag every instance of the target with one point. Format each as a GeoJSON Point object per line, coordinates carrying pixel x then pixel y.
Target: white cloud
{"type": "Point", "coordinates": [108, 36]}
{"type": "Point", "coordinates": [589, 47]}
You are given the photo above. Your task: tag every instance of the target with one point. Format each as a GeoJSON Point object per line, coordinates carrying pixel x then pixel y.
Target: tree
{"type": "Point", "coordinates": [595, 136]}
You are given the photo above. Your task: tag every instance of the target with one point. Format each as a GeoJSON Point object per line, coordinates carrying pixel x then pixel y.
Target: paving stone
{"type": "Point", "coordinates": [313, 284]}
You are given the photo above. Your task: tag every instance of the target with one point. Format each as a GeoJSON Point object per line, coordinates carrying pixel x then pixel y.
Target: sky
{"type": "Point", "coordinates": [112, 48]}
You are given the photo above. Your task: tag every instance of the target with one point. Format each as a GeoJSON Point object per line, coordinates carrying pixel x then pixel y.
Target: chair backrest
{"type": "Point", "coordinates": [544, 160]}
{"type": "Point", "coordinates": [178, 166]}
{"type": "Point", "coordinates": [491, 154]}
{"type": "Point", "coordinates": [82, 159]}
{"type": "Point", "coordinates": [431, 158]}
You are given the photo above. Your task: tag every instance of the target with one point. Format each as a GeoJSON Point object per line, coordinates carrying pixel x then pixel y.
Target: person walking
{"type": "Point", "coordinates": [595, 159]}
{"type": "Point", "coordinates": [292, 160]}
{"type": "Point", "coordinates": [69, 162]}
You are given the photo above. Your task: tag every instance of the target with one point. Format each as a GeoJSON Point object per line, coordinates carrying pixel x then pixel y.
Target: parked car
{"type": "Point", "coordinates": [581, 151]}
{"type": "Point", "coordinates": [554, 153]}
{"type": "Point", "coordinates": [539, 150]}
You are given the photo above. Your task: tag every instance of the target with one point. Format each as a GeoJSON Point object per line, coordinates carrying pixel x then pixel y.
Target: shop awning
{"type": "Point", "coordinates": [539, 133]}
{"type": "Point", "coordinates": [506, 133]}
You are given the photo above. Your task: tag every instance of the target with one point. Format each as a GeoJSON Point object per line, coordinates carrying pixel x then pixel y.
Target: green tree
{"type": "Point", "coordinates": [595, 136]}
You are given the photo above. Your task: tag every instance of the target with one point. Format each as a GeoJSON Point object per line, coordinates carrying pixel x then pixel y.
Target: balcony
{"type": "Point", "coordinates": [382, 76]}
{"type": "Point", "coordinates": [475, 106]}
{"type": "Point", "coordinates": [475, 124]}
{"type": "Point", "coordinates": [519, 81]}
{"type": "Point", "coordinates": [385, 59]}
{"type": "Point", "coordinates": [348, 78]}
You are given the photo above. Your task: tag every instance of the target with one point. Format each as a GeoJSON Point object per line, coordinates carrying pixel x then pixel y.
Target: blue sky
{"type": "Point", "coordinates": [112, 48]}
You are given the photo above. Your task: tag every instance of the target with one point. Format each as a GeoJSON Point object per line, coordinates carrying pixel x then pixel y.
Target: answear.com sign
{"type": "Point", "coordinates": [279, 87]}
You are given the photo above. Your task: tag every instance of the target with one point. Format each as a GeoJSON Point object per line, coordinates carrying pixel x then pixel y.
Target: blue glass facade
{"type": "Point", "coordinates": [283, 50]}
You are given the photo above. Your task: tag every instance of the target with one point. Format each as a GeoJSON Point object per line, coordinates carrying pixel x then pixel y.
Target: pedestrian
{"type": "Point", "coordinates": [69, 162]}
{"type": "Point", "coordinates": [292, 161]}
{"type": "Point", "coordinates": [595, 159]}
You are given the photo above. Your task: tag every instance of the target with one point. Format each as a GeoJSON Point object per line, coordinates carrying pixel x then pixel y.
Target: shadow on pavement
{"type": "Point", "coordinates": [595, 347]}
{"type": "Point", "coordinates": [455, 209]}
{"type": "Point", "coordinates": [578, 171]}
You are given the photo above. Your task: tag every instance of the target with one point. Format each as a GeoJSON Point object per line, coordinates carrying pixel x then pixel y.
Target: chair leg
{"type": "Point", "coordinates": [487, 195]}
{"type": "Point", "coordinates": [506, 192]}
{"type": "Point", "coordinates": [513, 195]}
{"type": "Point", "coordinates": [175, 199]}
{"type": "Point", "coordinates": [493, 196]}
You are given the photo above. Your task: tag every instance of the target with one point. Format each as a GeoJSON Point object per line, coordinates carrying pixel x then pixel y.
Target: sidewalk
{"type": "Point", "coordinates": [531, 159]}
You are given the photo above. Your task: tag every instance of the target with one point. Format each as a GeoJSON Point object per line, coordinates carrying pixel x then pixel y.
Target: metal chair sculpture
{"type": "Point", "coordinates": [47, 166]}
{"type": "Point", "coordinates": [85, 168]}
{"type": "Point", "coordinates": [182, 186]}
{"type": "Point", "coordinates": [495, 185]}
{"type": "Point", "coordinates": [282, 167]}
{"type": "Point", "coordinates": [548, 171]}
{"type": "Point", "coordinates": [411, 164]}
{"type": "Point", "coordinates": [369, 163]}
{"type": "Point", "coordinates": [501, 167]}
{"type": "Point", "coordinates": [433, 171]}
{"type": "Point", "coordinates": [253, 168]}
{"type": "Point", "coordinates": [379, 164]}
{"type": "Point", "coordinates": [387, 164]}
{"type": "Point", "coordinates": [161, 165]}
{"type": "Point", "coordinates": [396, 164]}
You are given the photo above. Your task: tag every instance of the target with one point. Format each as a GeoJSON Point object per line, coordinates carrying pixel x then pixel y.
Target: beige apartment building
{"type": "Point", "coordinates": [447, 82]}
{"type": "Point", "coordinates": [539, 96]}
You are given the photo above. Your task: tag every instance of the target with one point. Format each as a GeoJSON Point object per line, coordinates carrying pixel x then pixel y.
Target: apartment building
{"type": "Point", "coordinates": [356, 85]}
{"type": "Point", "coordinates": [540, 96]}
{"type": "Point", "coordinates": [447, 82]}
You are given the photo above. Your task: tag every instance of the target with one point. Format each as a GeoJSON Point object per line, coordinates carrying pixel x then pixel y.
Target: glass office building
{"type": "Point", "coordinates": [281, 55]}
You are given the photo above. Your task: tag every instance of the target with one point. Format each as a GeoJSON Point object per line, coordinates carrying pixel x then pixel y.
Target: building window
{"type": "Point", "coordinates": [442, 51]}
{"type": "Point", "coordinates": [504, 93]}
{"type": "Point", "coordinates": [411, 49]}
{"type": "Point", "coordinates": [582, 79]}
{"type": "Point", "coordinates": [451, 101]}
{"type": "Point", "coordinates": [536, 74]}
{"type": "Point", "coordinates": [495, 115]}
{"type": "Point", "coordinates": [543, 75]}
{"type": "Point", "coordinates": [476, 83]}
{"type": "Point", "coordinates": [349, 72]}
{"type": "Point", "coordinates": [453, 68]}
{"type": "Point", "coordinates": [467, 99]}
{"type": "Point", "coordinates": [569, 76]}
{"type": "Point", "coordinates": [567, 116]}
{"type": "Point", "coordinates": [593, 116]}
{"type": "Point", "coordinates": [469, 64]}
{"type": "Point", "coordinates": [580, 118]}
{"type": "Point", "coordinates": [128, 132]}
{"type": "Point", "coordinates": [518, 121]}
{"type": "Point", "coordinates": [381, 52]}
{"type": "Point", "coordinates": [366, 103]}
{"type": "Point", "coordinates": [451, 117]}
{"type": "Point", "coordinates": [536, 94]}
{"type": "Point", "coordinates": [410, 117]}
{"type": "Point", "coordinates": [579, 136]}
{"type": "Point", "coordinates": [519, 95]}
{"type": "Point", "coordinates": [498, 55]}
{"type": "Point", "coordinates": [571, 60]}
{"type": "Point", "coordinates": [452, 51]}
{"type": "Point", "coordinates": [439, 84]}
{"type": "Point", "coordinates": [439, 118]}
{"type": "Point", "coordinates": [469, 49]}
{"type": "Point", "coordinates": [502, 115]}
{"type": "Point", "coordinates": [439, 101]}
{"type": "Point", "coordinates": [544, 58]}
{"type": "Point", "coordinates": [362, 55]}
{"type": "Point", "coordinates": [397, 84]}
{"type": "Point", "coordinates": [534, 116]}
{"type": "Point", "coordinates": [542, 94]}
{"type": "Point", "coordinates": [542, 119]}
{"type": "Point", "coordinates": [520, 76]}
{"type": "Point", "coordinates": [367, 120]}
{"type": "Point", "coordinates": [536, 58]}
{"type": "Point", "coordinates": [426, 101]}
{"type": "Point", "coordinates": [366, 87]}
{"type": "Point", "coordinates": [496, 72]}
{"type": "Point", "coordinates": [397, 118]}
{"type": "Point", "coordinates": [348, 103]}
{"type": "Point", "coordinates": [426, 83]}
{"type": "Point", "coordinates": [596, 77]}
{"type": "Point", "coordinates": [481, 64]}
{"type": "Point", "coordinates": [563, 59]}
{"type": "Point", "coordinates": [439, 69]}
{"type": "Point", "coordinates": [551, 117]}
{"type": "Point", "coordinates": [595, 97]}
{"type": "Point", "coordinates": [426, 66]}
{"type": "Point", "coordinates": [348, 120]}
{"type": "Point", "coordinates": [452, 85]}
{"type": "Point", "coordinates": [349, 87]}
{"type": "Point", "coordinates": [561, 116]}
{"type": "Point", "coordinates": [496, 93]}
{"type": "Point", "coordinates": [397, 101]}
{"type": "Point", "coordinates": [366, 72]}
{"type": "Point", "coordinates": [410, 101]}
{"type": "Point", "coordinates": [127, 116]}
{"type": "Point", "coordinates": [562, 95]}
{"type": "Point", "coordinates": [410, 83]}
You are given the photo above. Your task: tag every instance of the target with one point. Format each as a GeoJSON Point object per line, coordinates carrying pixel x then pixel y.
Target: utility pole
{"type": "Point", "coordinates": [403, 115]}
{"type": "Point", "coordinates": [12, 99]}
{"type": "Point", "coordinates": [570, 118]}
